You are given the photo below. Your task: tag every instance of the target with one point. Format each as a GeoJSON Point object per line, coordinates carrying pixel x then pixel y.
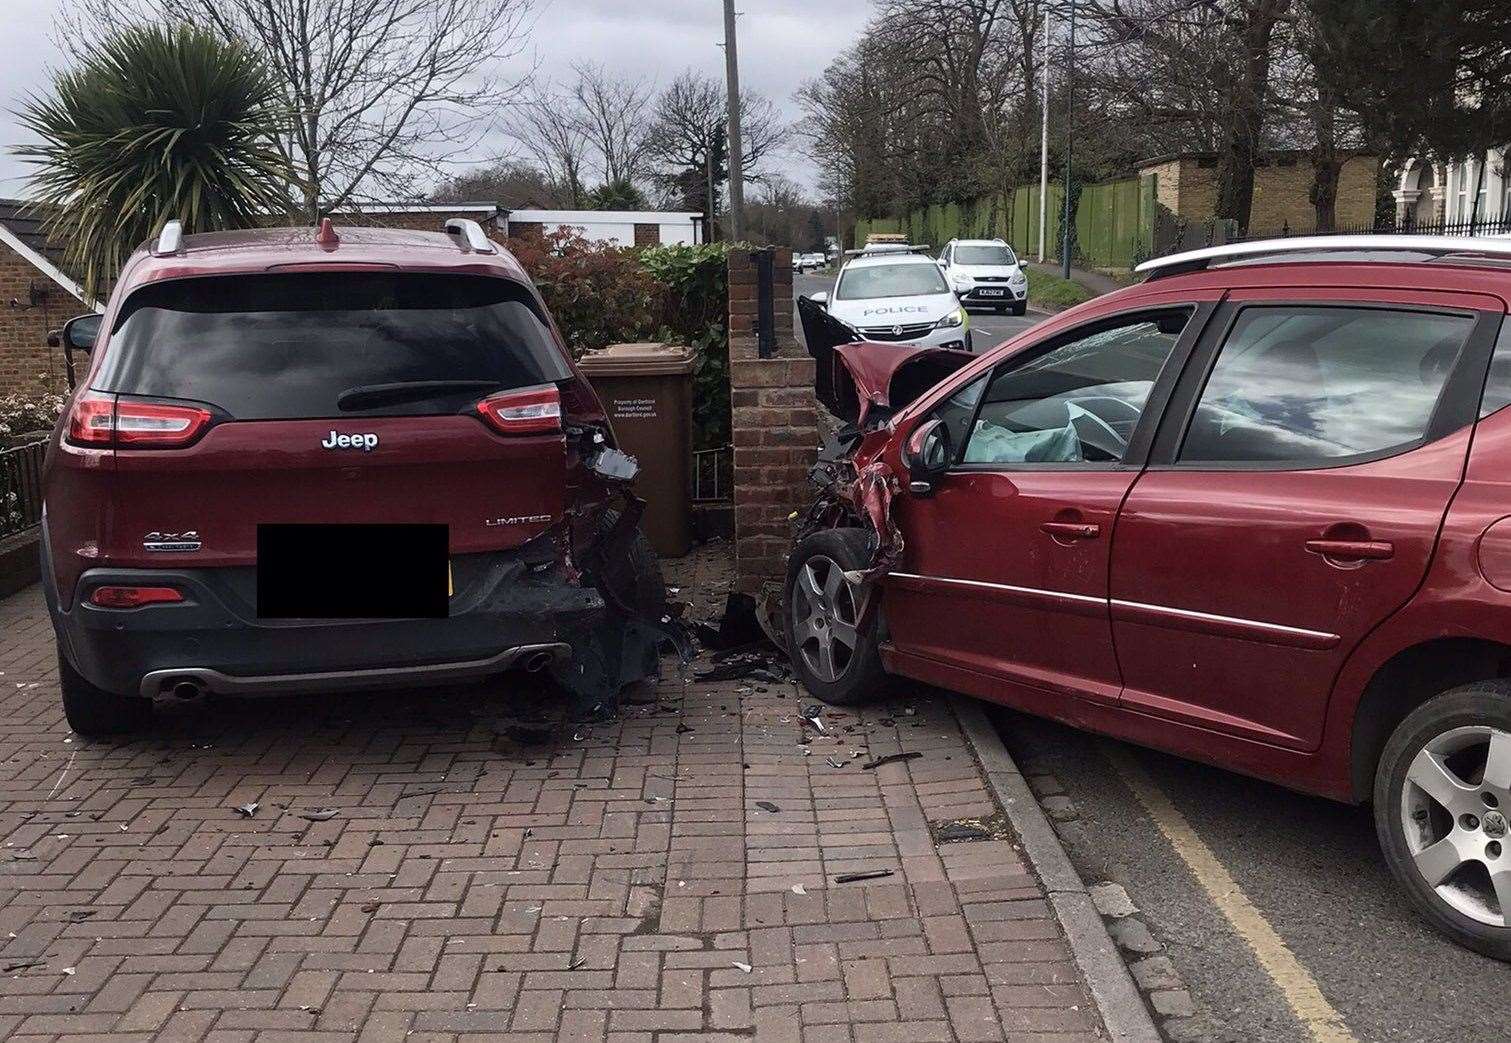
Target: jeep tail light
{"type": "Point", "coordinates": [133, 597]}
{"type": "Point", "coordinates": [103, 420]}
{"type": "Point", "coordinates": [532, 411]}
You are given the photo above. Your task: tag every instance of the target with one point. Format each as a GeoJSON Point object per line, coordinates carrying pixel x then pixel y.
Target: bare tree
{"type": "Point", "coordinates": [546, 125]}
{"type": "Point", "coordinates": [377, 90]}
{"type": "Point", "coordinates": [512, 182]}
{"type": "Point", "coordinates": [615, 115]}
{"type": "Point", "coordinates": [687, 138]}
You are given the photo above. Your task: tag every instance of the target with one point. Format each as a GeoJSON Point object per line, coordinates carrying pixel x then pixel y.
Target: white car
{"type": "Point", "coordinates": [899, 297]}
{"type": "Point", "coordinates": [989, 272]}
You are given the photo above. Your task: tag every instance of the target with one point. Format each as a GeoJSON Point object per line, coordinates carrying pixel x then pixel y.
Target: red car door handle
{"type": "Point", "coordinates": [1072, 530]}
{"type": "Point", "coordinates": [1351, 550]}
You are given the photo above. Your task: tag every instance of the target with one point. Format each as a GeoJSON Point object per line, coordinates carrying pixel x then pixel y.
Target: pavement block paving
{"type": "Point", "coordinates": [485, 878]}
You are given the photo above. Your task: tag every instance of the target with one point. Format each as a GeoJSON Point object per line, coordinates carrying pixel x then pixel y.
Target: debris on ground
{"type": "Point", "coordinates": [738, 625]}
{"type": "Point", "coordinates": [322, 815]}
{"type": "Point", "coordinates": [870, 874]}
{"type": "Point", "coordinates": [766, 805]}
{"type": "Point", "coordinates": [992, 827]}
{"type": "Point", "coordinates": [747, 968]}
{"type": "Point", "coordinates": [247, 810]}
{"type": "Point", "coordinates": [890, 758]}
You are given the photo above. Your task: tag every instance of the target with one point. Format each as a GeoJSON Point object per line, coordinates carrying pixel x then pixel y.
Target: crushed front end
{"type": "Point", "coordinates": [863, 385]}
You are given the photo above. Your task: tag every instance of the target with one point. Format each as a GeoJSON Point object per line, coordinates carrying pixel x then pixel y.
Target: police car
{"type": "Point", "coordinates": [891, 293]}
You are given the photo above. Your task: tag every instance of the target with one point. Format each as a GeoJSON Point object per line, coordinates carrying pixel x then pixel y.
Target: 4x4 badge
{"type": "Point", "coordinates": [172, 542]}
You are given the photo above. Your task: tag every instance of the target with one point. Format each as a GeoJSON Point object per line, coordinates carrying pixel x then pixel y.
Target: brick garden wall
{"type": "Point", "coordinates": [26, 362]}
{"type": "Point", "coordinates": [775, 423]}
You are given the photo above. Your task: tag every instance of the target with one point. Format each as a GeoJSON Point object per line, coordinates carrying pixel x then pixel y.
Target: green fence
{"type": "Point", "coordinates": [1114, 221]}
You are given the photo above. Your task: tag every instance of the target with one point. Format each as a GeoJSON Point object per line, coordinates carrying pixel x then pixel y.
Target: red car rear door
{"type": "Point", "coordinates": [1293, 499]}
{"type": "Point", "coordinates": [1005, 564]}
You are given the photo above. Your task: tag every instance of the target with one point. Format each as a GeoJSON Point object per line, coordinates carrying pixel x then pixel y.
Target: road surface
{"type": "Point", "coordinates": [1309, 867]}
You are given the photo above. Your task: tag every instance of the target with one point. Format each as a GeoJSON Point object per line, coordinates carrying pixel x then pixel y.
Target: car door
{"type": "Point", "coordinates": [1293, 500]}
{"type": "Point", "coordinates": [1005, 563]}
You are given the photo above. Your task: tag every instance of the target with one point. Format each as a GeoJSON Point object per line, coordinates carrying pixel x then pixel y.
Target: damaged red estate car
{"type": "Point", "coordinates": [1254, 511]}
{"type": "Point", "coordinates": [303, 462]}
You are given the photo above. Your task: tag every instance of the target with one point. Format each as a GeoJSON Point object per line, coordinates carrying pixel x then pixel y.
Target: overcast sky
{"type": "Point", "coordinates": [782, 43]}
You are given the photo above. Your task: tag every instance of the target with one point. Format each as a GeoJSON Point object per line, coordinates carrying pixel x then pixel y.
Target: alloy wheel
{"type": "Point", "coordinates": [825, 614]}
{"type": "Point", "coordinates": [1455, 804]}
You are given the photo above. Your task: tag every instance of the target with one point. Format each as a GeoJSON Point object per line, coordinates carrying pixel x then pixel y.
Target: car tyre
{"type": "Point", "coordinates": [1020, 308]}
{"type": "Point", "coordinates": [834, 654]}
{"type": "Point", "coordinates": [92, 711]}
{"type": "Point", "coordinates": [1448, 848]}
{"type": "Point", "coordinates": [1002, 309]}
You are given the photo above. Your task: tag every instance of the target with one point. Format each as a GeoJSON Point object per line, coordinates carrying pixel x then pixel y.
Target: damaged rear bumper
{"type": "Point", "coordinates": [507, 613]}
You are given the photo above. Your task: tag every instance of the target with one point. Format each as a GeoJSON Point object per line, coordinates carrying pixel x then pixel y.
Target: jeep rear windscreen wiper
{"type": "Point", "coordinates": [369, 395]}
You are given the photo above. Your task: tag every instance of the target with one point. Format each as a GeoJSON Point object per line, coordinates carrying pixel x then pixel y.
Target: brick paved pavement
{"type": "Point", "coordinates": [477, 883]}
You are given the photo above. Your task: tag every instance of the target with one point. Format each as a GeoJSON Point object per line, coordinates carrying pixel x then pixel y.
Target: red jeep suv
{"type": "Point", "coordinates": [1255, 511]}
{"type": "Point", "coordinates": [306, 462]}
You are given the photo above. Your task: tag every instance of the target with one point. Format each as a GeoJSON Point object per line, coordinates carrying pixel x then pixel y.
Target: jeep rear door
{"type": "Point", "coordinates": [335, 397]}
{"type": "Point", "coordinates": [1293, 500]}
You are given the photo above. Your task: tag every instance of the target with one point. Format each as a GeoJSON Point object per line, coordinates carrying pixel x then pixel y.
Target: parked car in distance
{"type": "Point", "coordinates": [302, 462]}
{"type": "Point", "coordinates": [989, 271]}
{"type": "Point", "coordinates": [896, 296]}
{"type": "Point", "coordinates": [1253, 511]}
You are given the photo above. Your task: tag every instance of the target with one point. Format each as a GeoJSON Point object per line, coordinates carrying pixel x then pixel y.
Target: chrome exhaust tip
{"type": "Point", "coordinates": [537, 661]}
{"type": "Point", "coordinates": [187, 688]}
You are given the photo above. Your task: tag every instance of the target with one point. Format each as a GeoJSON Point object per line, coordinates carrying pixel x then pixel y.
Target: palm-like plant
{"type": "Point", "coordinates": [160, 122]}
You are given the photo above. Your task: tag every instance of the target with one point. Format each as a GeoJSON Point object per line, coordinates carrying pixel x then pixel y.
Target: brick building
{"type": "Point", "coordinates": [36, 295]}
{"type": "Point", "coordinates": [1186, 185]}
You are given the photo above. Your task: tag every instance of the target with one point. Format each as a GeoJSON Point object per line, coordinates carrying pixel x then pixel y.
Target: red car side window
{"type": "Point", "coordinates": [1309, 384]}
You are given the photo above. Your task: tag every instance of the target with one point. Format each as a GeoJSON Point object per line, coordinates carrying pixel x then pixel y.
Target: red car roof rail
{"type": "Point", "coordinates": [472, 234]}
{"type": "Point", "coordinates": [170, 240]}
{"type": "Point", "coordinates": [1335, 247]}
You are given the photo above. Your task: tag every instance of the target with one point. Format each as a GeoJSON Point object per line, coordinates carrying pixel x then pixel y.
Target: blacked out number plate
{"type": "Point", "coordinates": [352, 571]}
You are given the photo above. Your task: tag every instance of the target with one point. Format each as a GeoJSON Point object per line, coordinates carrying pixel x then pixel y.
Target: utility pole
{"type": "Point", "coordinates": [1070, 95]}
{"type": "Point", "coordinates": [736, 152]}
{"type": "Point", "coordinates": [1044, 143]}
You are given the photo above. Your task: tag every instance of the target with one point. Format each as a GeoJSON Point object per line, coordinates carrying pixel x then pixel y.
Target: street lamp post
{"type": "Point", "coordinates": [1070, 74]}
{"type": "Point", "coordinates": [1044, 140]}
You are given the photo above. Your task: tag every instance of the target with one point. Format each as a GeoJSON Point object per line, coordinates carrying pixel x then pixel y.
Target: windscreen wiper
{"type": "Point", "coordinates": [368, 395]}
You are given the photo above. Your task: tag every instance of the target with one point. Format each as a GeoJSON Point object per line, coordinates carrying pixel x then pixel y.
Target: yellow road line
{"type": "Point", "coordinates": [1293, 980]}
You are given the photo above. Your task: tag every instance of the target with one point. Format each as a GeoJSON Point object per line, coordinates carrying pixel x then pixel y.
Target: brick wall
{"type": "Point", "coordinates": [647, 234]}
{"type": "Point", "coordinates": [25, 359]}
{"type": "Point", "coordinates": [775, 422]}
{"type": "Point", "coordinates": [1188, 186]}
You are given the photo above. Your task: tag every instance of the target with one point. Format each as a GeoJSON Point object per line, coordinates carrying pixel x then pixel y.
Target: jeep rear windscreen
{"type": "Point", "coordinates": [333, 344]}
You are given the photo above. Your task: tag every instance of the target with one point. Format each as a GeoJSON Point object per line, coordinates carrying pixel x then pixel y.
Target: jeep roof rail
{"type": "Point", "coordinates": [170, 240]}
{"type": "Point", "coordinates": [472, 234]}
{"type": "Point", "coordinates": [1436, 246]}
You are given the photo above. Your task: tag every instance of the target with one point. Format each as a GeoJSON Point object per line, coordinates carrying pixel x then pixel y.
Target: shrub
{"type": "Point", "coordinates": [695, 309]}
{"type": "Point", "coordinates": [602, 294]}
{"type": "Point", "coordinates": [28, 417]}
{"type": "Point", "coordinates": [599, 293]}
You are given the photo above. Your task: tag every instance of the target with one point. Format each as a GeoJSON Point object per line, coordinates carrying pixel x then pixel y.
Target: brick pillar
{"type": "Point", "coordinates": [775, 422]}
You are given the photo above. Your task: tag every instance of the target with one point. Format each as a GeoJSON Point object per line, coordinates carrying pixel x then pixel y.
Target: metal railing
{"type": "Point", "coordinates": [713, 475]}
{"type": "Point", "coordinates": [1479, 226]}
{"type": "Point", "coordinates": [21, 488]}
